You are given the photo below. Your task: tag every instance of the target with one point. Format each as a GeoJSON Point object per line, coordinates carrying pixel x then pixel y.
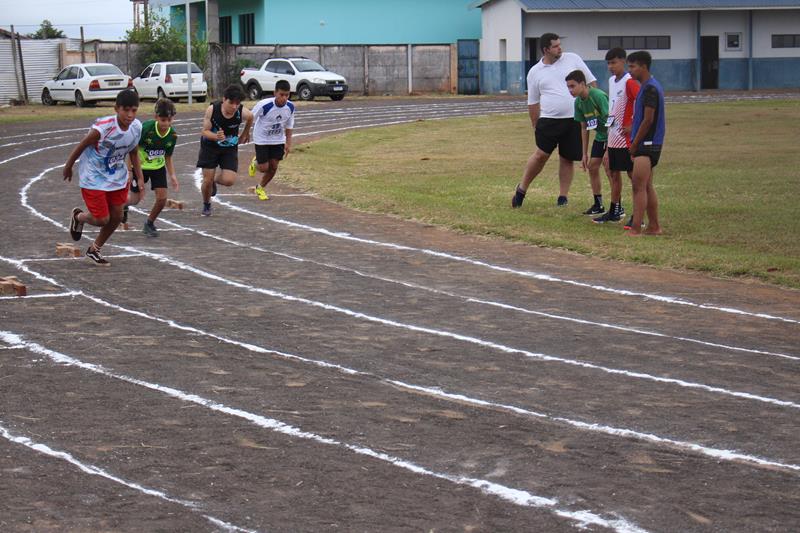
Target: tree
{"type": "Point", "coordinates": [47, 31]}
{"type": "Point", "coordinates": [162, 42]}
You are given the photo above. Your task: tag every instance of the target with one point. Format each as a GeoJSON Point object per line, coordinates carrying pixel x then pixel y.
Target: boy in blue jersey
{"type": "Point", "coordinates": [272, 135]}
{"type": "Point", "coordinates": [103, 175]}
{"type": "Point", "coordinates": [647, 134]}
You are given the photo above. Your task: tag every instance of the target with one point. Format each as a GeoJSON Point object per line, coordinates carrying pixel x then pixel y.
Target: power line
{"type": "Point", "coordinates": [72, 24]}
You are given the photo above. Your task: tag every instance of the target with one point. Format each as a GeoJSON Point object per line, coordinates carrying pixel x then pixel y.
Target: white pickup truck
{"type": "Point", "coordinates": [306, 78]}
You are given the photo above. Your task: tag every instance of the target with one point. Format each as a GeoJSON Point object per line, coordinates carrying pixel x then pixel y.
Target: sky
{"type": "Point", "coordinates": [101, 19]}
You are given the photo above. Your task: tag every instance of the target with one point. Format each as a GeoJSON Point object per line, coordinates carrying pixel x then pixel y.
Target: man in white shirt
{"type": "Point", "coordinates": [551, 109]}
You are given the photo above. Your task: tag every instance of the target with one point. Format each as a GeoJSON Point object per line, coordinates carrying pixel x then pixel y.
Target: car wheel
{"type": "Point", "coordinates": [337, 97]}
{"type": "Point", "coordinates": [254, 91]}
{"type": "Point", "coordinates": [201, 99]}
{"type": "Point", "coordinates": [79, 101]}
{"type": "Point", "coordinates": [47, 98]}
{"type": "Point", "coordinates": [160, 93]}
{"type": "Point", "coordinates": [304, 92]}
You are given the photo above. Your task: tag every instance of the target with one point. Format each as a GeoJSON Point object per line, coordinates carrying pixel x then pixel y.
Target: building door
{"type": "Point", "coordinates": [709, 62]}
{"type": "Point", "coordinates": [534, 55]}
{"type": "Point", "coordinates": [468, 66]}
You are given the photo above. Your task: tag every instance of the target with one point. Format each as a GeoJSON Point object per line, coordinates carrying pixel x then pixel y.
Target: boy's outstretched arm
{"type": "Point", "coordinates": [93, 137]}
{"type": "Point", "coordinates": [288, 146]}
{"type": "Point", "coordinates": [171, 171]}
{"type": "Point", "coordinates": [137, 170]}
{"type": "Point", "coordinates": [248, 117]}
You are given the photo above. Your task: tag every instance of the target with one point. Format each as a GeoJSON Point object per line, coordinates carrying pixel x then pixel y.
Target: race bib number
{"type": "Point", "coordinates": [153, 154]}
{"type": "Point", "coordinates": [610, 122]}
{"type": "Point", "coordinates": [591, 124]}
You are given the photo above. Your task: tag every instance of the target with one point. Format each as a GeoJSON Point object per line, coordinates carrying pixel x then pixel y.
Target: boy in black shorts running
{"type": "Point", "coordinates": [155, 152]}
{"type": "Point", "coordinates": [272, 134]}
{"type": "Point", "coordinates": [219, 142]}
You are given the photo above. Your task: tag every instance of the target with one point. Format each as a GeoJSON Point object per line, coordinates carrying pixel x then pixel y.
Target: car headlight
{"type": "Point", "coordinates": [318, 80]}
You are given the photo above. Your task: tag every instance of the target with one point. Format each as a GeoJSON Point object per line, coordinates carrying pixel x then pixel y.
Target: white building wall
{"type": "Point", "coordinates": [721, 22]}
{"type": "Point", "coordinates": [579, 31]}
{"type": "Point", "coordinates": [501, 20]}
{"type": "Point", "coordinates": [767, 23]}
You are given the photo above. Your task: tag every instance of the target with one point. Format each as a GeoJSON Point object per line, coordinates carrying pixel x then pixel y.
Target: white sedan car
{"type": "Point", "coordinates": [169, 79]}
{"type": "Point", "coordinates": [85, 83]}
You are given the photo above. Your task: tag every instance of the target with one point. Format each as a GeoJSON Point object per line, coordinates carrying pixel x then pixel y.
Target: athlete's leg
{"type": "Point", "coordinates": [208, 181]}
{"type": "Point", "coordinates": [268, 170]}
{"type": "Point", "coordinates": [158, 204]}
{"type": "Point", "coordinates": [226, 177]}
{"type": "Point", "coordinates": [653, 226]}
{"type": "Point", "coordinates": [641, 175]}
{"type": "Point", "coordinates": [566, 171]}
{"type": "Point", "coordinates": [594, 175]}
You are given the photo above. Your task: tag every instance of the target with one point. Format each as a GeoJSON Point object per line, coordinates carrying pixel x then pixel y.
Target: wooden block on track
{"type": "Point", "coordinates": [174, 204]}
{"type": "Point", "coordinates": [251, 190]}
{"type": "Point", "coordinates": [12, 286]}
{"type": "Point", "coordinates": [65, 249]}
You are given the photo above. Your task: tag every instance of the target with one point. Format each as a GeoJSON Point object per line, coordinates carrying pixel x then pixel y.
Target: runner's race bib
{"type": "Point", "coordinates": [610, 121]}
{"type": "Point", "coordinates": [591, 124]}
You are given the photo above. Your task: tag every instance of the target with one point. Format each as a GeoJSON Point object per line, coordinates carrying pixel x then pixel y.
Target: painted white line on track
{"type": "Point", "coordinates": [715, 453]}
{"type": "Point", "coordinates": [97, 471]}
{"type": "Point", "coordinates": [68, 294]}
{"type": "Point", "coordinates": [511, 495]}
{"type": "Point", "coordinates": [81, 258]}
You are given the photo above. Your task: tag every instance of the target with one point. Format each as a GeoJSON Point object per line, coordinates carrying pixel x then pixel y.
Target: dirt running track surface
{"type": "Point", "coordinates": [294, 366]}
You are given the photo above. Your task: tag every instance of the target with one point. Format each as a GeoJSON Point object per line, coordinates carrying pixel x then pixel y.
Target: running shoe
{"type": "Point", "coordinates": [213, 188]}
{"type": "Point", "coordinates": [562, 201]}
{"type": "Point", "coordinates": [206, 209]}
{"type": "Point", "coordinates": [149, 229]}
{"type": "Point", "coordinates": [596, 209]}
{"type": "Point", "coordinates": [621, 211]}
{"type": "Point", "coordinates": [95, 256]}
{"type": "Point", "coordinates": [251, 170]}
{"type": "Point", "coordinates": [629, 224]}
{"type": "Point", "coordinates": [518, 198]}
{"type": "Point", "coordinates": [75, 225]}
{"type": "Point", "coordinates": [261, 193]}
{"type": "Point", "coordinates": [125, 215]}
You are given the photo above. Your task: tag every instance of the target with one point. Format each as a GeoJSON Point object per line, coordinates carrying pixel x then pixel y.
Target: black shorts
{"type": "Point", "coordinates": [598, 149]}
{"type": "Point", "coordinates": [653, 151]}
{"type": "Point", "coordinates": [562, 132]}
{"type": "Point", "coordinates": [619, 159]}
{"type": "Point", "coordinates": [157, 178]}
{"type": "Point", "coordinates": [265, 152]}
{"type": "Point", "coordinates": [213, 156]}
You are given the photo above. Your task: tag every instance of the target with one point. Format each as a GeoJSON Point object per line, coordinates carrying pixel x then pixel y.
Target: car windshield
{"type": "Point", "coordinates": [306, 65]}
{"type": "Point", "coordinates": [180, 68]}
{"type": "Point", "coordinates": [103, 70]}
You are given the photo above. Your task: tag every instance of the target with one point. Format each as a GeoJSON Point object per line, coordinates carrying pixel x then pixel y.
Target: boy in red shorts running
{"type": "Point", "coordinates": [103, 176]}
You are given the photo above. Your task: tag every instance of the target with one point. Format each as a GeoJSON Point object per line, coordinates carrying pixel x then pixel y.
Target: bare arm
{"type": "Point", "coordinates": [533, 111]}
{"type": "Point", "coordinates": [171, 172]}
{"type": "Point", "coordinates": [207, 133]}
{"type": "Point", "coordinates": [585, 142]}
{"type": "Point", "coordinates": [91, 138]}
{"type": "Point", "coordinates": [288, 147]}
{"type": "Point", "coordinates": [136, 164]}
{"type": "Point", "coordinates": [248, 117]}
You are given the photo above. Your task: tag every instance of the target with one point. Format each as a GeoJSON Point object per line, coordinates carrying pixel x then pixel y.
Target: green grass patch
{"type": "Point", "coordinates": [728, 185]}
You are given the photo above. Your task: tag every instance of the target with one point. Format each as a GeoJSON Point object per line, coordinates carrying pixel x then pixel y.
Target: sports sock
{"type": "Point", "coordinates": [598, 199]}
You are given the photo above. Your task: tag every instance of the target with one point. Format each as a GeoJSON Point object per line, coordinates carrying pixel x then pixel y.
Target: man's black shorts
{"type": "Point", "coordinates": [265, 152]}
{"type": "Point", "coordinates": [653, 151]}
{"type": "Point", "coordinates": [598, 149]}
{"type": "Point", "coordinates": [157, 178]}
{"type": "Point", "coordinates": [619, 159]}
{"type": "Point", "coordinates": [213, 156]}
{"type": "Point", "coordinates": [562, 132]}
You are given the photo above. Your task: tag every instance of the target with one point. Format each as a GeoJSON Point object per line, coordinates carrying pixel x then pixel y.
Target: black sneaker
{"type": "Point", "coordinates": [621, 212]}
{"type": "Point", "coordinates": [519, 197]}
{"type": "Point", "coordinates": [125, 215]}
{"type": "Point", "coordinates": [95, 256]}
{"type": "Point", "coordinates": [213, 188]}
{"type": "Point", "coordinates": [596, 209]}
{"type": "Point", "coordinates": [75, 225]}
{"type": "Point", "coordinates": [206, 209]}
{"type": "Point", "coordinates": [149, 229]}
{"type": "Point", "coordinates": [602, 219]}
{"type": "Point", "coordinates": [562, 201]}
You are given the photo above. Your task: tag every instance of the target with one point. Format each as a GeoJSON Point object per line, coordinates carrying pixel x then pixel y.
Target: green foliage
{"type": "Point", "coordinates": [47, 31]}
{"type": "Point", "coordinates": [160, 41]}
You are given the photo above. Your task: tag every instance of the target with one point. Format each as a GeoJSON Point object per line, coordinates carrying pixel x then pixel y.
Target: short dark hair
{"type": "Point", "coordinates": [576, 75]}
{"type": "Point", "coordinates": [164, 108]}
{"type": "Point", "coordinates": [234, 93]}
{"type": "Point", "coordinates": [127, 98]}
{"type": "Point", "coordinates": [283, 85]}
{"type": "Point", "coordinates": [616, 53]}
{"type": "Point", "coordinates": [642, 57]}
{"type": "Point", "coordinates": [546, 40]}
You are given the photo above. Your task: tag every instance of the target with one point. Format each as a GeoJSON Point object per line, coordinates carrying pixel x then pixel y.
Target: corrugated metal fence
{"type": "Point", "coordinates": [41, 59]}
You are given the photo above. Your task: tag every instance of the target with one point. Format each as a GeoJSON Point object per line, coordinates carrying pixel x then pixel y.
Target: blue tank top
{"type": "Point", "coordinates": [650, 95]}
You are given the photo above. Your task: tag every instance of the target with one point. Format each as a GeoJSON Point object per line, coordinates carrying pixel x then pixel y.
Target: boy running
{"type": "Point", "coordinates": [648, 131]}
{"type": "Point", "coordinates": [272, 134]}
{"type": "Point", "coordinates": [591, 110]}
{"type": "Point", "coordinates": [622, 91]}
{"type": "Point", "coordinates": [219, 142]}
{"type": "Point", "coordinates": [155, 153]}
{"type": "Point", "coordinates": [103, 176]}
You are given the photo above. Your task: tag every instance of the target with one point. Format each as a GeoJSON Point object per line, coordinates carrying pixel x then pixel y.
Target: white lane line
{"type": "Point", "coordinates": [715, 453]}
{"type": "Point", "coordinates": [97, 471]}
{"type": "Point", "coordinates": [4, 161]}
{"type": "Point", "coordinates": [511, 495]}
{"type": "Point", "coordinates": [39, 296]}
{"type": "Point", "coordinates": [480, 301]}
{"type": "Point", "coordinates": [421, 329]}
{"type": "Point", "coordinates": [55, 259]}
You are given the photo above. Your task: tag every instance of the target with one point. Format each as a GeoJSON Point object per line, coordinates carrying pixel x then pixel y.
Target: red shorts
{"type": "Point", "coordinates": [98, 202]}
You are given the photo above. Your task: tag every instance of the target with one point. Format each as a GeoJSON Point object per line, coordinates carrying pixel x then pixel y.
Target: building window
{"type": "Point", "coordinates": [786, 40]}
{"type": "Point", "coordinates": [225, 32]}
{"type": "Point", "coordinates": [648, 42]}
{"type": "Point", "coordinates": [247, 29]}
{"type": "Point", "coordinates": [733, 41]}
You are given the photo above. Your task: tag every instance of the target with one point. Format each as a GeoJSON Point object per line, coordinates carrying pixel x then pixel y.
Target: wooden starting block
{"type": "Point", "coordinates": [12, 286]}
{"type": "Point", "coordinates": [251, 190]}
{"type": "Point", "coordinates": [174, 204]}
{"type": "Point", "coordinates": [65, 249]}
{"type": "Point", "coordinates": [124, 226]}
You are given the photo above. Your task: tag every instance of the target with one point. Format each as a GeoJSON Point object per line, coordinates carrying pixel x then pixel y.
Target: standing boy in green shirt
{"type": "Point", "coordinates": [591, 110]}
{"type": "Point", "coordinates": [155, 152]}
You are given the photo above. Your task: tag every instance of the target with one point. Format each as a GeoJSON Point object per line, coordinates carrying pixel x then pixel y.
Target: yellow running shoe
{"type": "Point", "coordinates": [261, 193]}
{"type": "Point", "coordinates": [251, 170]}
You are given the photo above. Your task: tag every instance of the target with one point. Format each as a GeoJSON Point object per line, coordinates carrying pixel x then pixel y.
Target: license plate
{"type": "Point", "coordinates": [185, 80]}
{"type": "Point", "coordinates": [338, 88]}
{"type": "Point", "coordinates": [113, 83]}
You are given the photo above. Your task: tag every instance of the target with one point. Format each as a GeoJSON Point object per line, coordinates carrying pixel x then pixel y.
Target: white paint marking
{"type": "Point", "coordinates": [38, 296]}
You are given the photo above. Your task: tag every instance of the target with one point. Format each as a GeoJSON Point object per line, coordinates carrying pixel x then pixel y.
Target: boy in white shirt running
{"type": "Point", "coordinates": [272, 135]}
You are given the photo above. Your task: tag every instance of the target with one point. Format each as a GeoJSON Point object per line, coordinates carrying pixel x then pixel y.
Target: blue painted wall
{"type": "Point", "coordinates": [776, 72]}
{"type": "Point", "coordinates": [491, 78]}
{"type": "Point", "coordinates": [733, 73]}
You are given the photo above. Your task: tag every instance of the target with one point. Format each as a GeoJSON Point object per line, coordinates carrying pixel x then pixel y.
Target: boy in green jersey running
{"type": "Point", "coordinates": [155, 152]}
{"type": "Point", "coordinates": [591, 110]}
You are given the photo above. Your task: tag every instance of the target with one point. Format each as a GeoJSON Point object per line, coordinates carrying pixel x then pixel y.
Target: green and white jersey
{"type": "Point", "coordinates": [155, 146]}
{"type": "Point", "coordinates": [593, 111]}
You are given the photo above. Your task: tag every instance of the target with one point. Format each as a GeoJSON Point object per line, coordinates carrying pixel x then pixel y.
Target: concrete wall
{"type": "Point", "coordinates": [766, 23]}
{"type": "Point", "coordinates": [124, 55]}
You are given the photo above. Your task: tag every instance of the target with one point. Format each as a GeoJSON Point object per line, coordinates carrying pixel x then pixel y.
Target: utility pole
{"type": "Point", "coordinates": [188, 53]}
{"type": "Point", "coordinates": [83, 53]}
